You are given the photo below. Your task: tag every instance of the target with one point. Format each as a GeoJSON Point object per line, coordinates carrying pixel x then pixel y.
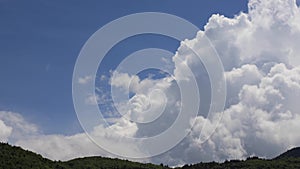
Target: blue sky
{"type": "Point", "coordinates": [40, 41]}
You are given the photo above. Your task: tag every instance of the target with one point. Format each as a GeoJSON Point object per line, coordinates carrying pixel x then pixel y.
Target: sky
{"type": "Point", "coordinates": [41, 40]}
{"type": "Point", "coordinates": [240, 99]}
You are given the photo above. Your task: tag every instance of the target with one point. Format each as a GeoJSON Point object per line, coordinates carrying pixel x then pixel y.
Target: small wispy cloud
{"type": "Point", "coordinates": [85, 79]}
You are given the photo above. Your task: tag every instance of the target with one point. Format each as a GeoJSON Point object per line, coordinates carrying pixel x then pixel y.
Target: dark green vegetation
{"type": "Point", "coordinates": [16, 158]}
{"type": "Point", "coordinates": [250, 163]}
{"type": "Point", "coordinates": [295, 152]}
{"type": "Point", "coordinates": [12, 157]}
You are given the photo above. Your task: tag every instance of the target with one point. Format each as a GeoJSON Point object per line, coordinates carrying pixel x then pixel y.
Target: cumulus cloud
{"type": "Point", "coordinates": [148, 101]}
{"type": "Point", "coordinates": [260, 57]}
{"type": "Point", "coordinates": [264, 122]}
{"type": "Point", "coordinates": [238, 77]}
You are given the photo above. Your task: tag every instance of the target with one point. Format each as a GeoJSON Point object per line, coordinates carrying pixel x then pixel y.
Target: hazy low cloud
{"type": "Point", "coordinates": [5, 131]}
{"type": "Point", "coordinates": [20, 128]}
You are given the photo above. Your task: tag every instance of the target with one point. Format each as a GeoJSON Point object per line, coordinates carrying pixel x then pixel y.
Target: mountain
{"type": "Point", "coordinates": [250, 163]}
{"type": "Point", "coordinates": [12, 157]}
{"type": "Point", "coordinates": [292, 153]}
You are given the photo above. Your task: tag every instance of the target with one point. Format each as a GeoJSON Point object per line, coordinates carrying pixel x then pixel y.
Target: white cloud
{"type": "Point", "coordinates": [124, 81]}
{"type": "Point", "coordinates": [263, 122]}
{"type": "Point", "coordinates": [85, 79]}
{"type": "Point", "coordinates": [258, 51]}
{"type": "Point", "coordinates": [60, 147]}
{"type": "Point", "coordinates": [20, 127]}
{"type": "Point", "coordinates": [238, 77]}
{"type": "Point", "coordinates": [16, 130]}
{"type": "Point", "coordinates": [92, 99]}
{"type": "Point", "coordinates": [148, 101]}
{"type": "Point", "coordinates": [103, 77]}
{"type": "Point", "coordinates": [5, 132]}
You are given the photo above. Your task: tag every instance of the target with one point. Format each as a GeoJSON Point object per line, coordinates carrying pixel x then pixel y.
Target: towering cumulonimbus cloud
{"type": "Point", "coordinates": [260, 56]}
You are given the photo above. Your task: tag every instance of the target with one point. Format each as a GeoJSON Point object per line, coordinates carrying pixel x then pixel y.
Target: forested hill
{"type": "Point", "coordinates": [12, 157]}
{"type": "Point", "coordinates": [293, 153]}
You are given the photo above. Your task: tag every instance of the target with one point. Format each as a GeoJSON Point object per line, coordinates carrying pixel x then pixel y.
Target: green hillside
{"type": "Point", "coordinates": [12, 157]}
{"type": "Point", "coordinates": [293, 153]}
{"type": "Point", "coordinates": [250, 163]}
{"type": "Point", "coordinates": [16, 158]}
